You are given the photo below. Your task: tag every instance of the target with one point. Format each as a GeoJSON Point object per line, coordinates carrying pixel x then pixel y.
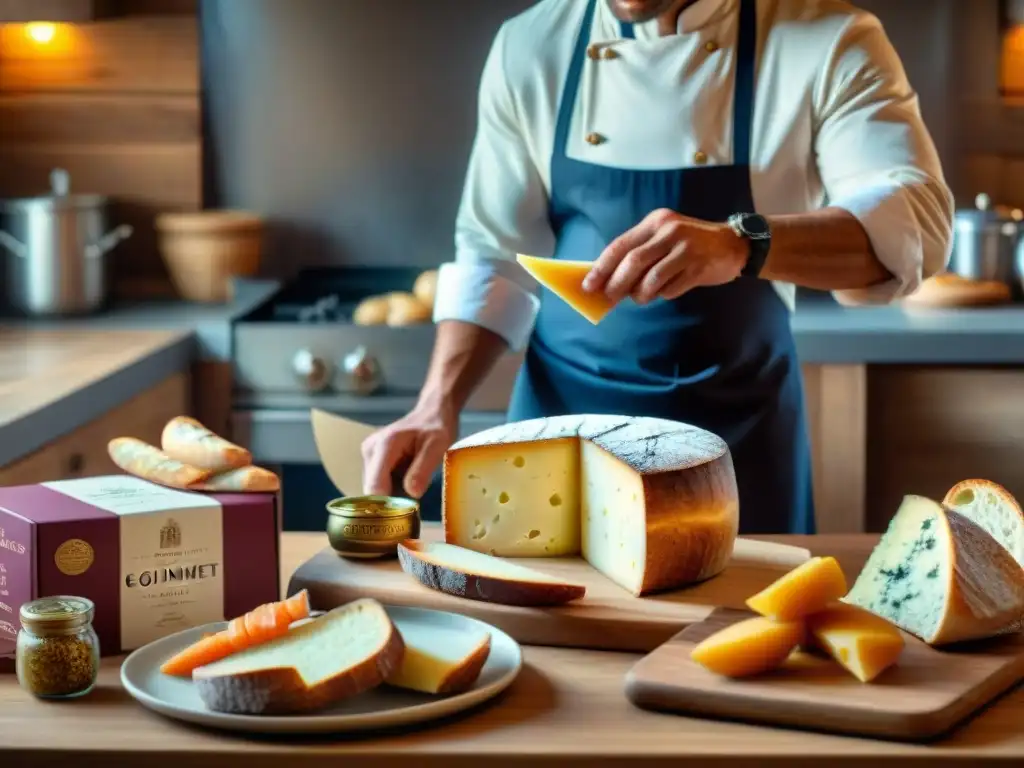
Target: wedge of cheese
{"type": "Point", "coordinates": [650, 503]}
{"type": "Point", "coordinates": [565, 280]}
{"type": "Point", "coordinates": [341, 654]}
{"type": "Point", "coordinates": [941, 577]}
{"type": "Point", "coordinates": [861, 642]}
{"type": "Point", "coordinates": [439, 661]}
{"type": "Point", "coordinates": [749, 647]}
{"type": "Point", "coordinates": [809, 587]}
{"type": "Point", "coordinates": [993, 508]}
{"type": "Point", "coordinates": [476, 576]}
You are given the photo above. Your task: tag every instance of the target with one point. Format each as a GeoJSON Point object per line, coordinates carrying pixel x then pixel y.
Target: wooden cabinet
{"type": "Point", "coordinates": [83, 453]}
{"type": "Point", "coordinates": [54, 10]}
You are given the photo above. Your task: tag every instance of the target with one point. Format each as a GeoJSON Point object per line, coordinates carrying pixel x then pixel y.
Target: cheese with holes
{"type": "Point", "coordinates": [440, 659]}
{"type": "Point", "coordinates": [565, 280]}
{"type": "Point", "coordinates": [941, 577]}
{"type": "Point", "coordinates": [650, 503]}
{"type": "Point", "coordinates": [809, 587]}
{"type": "Point", "coordinates": [749, 647]}
{"type": "Point", "coordinates": [993, 508]}
{"type": "Point", "coordinates": [859, 641]}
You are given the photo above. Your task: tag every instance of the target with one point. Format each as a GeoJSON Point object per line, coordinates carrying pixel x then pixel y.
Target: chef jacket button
{"type": "Point", "coordinates": [594, 51]}
{"type": "Point", "coordinates": [700, 157]}
{"type": "Point", "coordinates": [609, 53]}
{"type": "Point", "coordinates": [710, 46]}
{"type": "Point", "coordinates": [595, 138]}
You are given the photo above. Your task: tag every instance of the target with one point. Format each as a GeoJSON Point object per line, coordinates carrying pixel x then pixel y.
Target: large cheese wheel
{"type": "Point", "coordinates": [941, 577]}
{"type": "Point", "coordinates": [650, 503]}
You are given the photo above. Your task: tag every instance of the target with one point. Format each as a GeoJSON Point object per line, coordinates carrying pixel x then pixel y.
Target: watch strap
{"type": "Point", "coordinates": [758, 239]}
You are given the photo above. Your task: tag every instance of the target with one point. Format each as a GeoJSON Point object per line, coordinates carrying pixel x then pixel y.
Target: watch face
{"type": "Point", "coordinates": [755, 226]}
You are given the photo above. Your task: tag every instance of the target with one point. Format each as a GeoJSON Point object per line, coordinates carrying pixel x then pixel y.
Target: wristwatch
{"type": "Point", "coordinates": [754, 228]}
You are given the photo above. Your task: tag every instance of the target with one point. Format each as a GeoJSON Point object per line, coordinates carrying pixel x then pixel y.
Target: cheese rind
{"type": "Point", "coordinates": [993, 508]}
{"type": "Point", "coordinates": [860, 642]}
{"type": "Point", "coordinates": [941, 577]}
{"type": "Point", "coordinates": [808, 588]}
{"type": "Point", "coordinates": [748, 647]}
{"type": "Point", "coordinates": [651, 503]}
{"type": "Point", "coordinates": [440, 662]}
{"type": "Point", "coordinates": [565, 279]}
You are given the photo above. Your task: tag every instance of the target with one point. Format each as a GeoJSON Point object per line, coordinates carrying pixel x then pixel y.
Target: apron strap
{"type": "Point", "coordinates": [743, 96]}
{"type": "Point", "coordinates": [572, 81]}
{"type": "Point", "coordinates": [628, 33]}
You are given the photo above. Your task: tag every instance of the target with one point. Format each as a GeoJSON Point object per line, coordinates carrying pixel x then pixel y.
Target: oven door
{"type": "Point", "coordinates": [281, 438]}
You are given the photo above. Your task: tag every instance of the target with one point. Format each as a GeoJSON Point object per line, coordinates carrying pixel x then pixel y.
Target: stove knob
{"type": "Point", "coordinates": [314, 372]}
{"type": "Point", "coordinates": [362, 371]}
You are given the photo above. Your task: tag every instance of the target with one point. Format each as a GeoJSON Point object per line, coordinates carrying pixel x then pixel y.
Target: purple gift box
{"type": "Point", "coordinates": [154, 560]}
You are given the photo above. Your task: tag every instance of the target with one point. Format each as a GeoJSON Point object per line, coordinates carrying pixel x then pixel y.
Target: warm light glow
{"type": "Point", "coordinates": [1013, 62]}
{"type": "Point", "coordinates": [41, 32]}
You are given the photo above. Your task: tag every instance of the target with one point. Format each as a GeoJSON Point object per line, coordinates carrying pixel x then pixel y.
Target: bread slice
{"type": "Point", "coordinates": [993, 508]}
{"type": "Point", "coordinates": [343, 653]}
{"type": "Point", "coordinates": [464, 573]}
{"type": "Point", "coordinates": [440, 660]}
{"type": "Point", "coordinates": [941, 577]}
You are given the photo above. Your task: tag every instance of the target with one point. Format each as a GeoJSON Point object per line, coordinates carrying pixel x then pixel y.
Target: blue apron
{"type": "Point", "coordinates": [722, 358]}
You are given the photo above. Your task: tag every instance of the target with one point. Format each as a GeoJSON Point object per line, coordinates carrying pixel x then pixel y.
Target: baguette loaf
{"type": "Point", "coordinates": [244, 479]}
{"type": "Point", "coordinates": [341, 654]}
{"type": "Point", "coordinates": [188, 441]}
{"type": "Point", "coordinates": [992, 507]}
{"type": "Point", "coordinates": [150, 463]}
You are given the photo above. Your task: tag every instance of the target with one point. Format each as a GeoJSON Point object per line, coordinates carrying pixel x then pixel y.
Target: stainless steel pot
{"type": "Point", "coordinates": [57, 246]}
{"type": "Point", "coordinates": [983, 243]}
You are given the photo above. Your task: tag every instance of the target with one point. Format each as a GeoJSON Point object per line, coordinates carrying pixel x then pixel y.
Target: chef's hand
{"type": "Point", "coordinates": [666, 255]}
{"type": "Point", "coordinates": [414, 446]}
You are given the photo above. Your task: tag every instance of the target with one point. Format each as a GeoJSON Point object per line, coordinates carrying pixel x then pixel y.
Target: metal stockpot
{"type": "Point", "coordinates": [983, 243]}
{"type": "Point", "coordinates": [57, 245]}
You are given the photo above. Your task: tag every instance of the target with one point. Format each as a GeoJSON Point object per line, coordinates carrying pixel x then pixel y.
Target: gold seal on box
{"type": "Point", "coordinates": [74, 557]}
{"type": "Point", "coordinates": [371, 526]}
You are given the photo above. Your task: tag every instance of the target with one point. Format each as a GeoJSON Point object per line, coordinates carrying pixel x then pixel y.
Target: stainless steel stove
{"type": "Point", "coordinates": [299, 349]}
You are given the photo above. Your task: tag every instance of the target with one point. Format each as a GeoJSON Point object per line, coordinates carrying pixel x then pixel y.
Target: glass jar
{"type": "Point", "coordinates": [58, 652]}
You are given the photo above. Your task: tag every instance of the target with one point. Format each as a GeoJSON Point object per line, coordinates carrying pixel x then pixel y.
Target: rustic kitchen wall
{"type": "Point", "coordinates": [116, 103]}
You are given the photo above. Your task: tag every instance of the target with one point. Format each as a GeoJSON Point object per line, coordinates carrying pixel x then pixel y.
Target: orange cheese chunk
{"type": "Point", "coordinates": [565, 280]}
{"type": "Point", "coordinates": [749, 647]}
{"type": "Point", "coordinates": [806, 589]}
{"type": "Point", "coordinates": [861, 642]}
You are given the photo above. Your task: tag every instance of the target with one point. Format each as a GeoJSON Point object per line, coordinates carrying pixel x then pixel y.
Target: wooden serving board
{"type": "Point", "coordinates": [926, 694]}
{"type": "Point", "coordinates": [608, 617]}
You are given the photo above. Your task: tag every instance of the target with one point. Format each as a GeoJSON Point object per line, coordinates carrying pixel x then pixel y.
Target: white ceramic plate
{"type": "Point", "coordinates": [380, 708]}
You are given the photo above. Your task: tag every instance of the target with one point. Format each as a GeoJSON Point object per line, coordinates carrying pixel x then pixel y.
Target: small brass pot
{"type": "Point", "coordinates": [369, 527]}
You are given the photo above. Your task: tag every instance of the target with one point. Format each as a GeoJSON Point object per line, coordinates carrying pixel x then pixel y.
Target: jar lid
{"type": "Point", "coordinates": [59, 199]}
{"type": "Point", "coordinates": [372, 507]}
{"type": "Point", "coordinates": [58, 612]}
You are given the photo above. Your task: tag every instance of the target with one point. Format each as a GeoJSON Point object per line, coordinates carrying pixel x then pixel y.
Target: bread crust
{"type": "Point", "coordinates": [463, 676]}
{"type": "Point", "coordinates": [415, 559]}
{"type": "Point", "coordinates": [190, 442]}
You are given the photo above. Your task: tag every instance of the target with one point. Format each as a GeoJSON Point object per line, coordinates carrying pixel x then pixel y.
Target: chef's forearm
{"type": "Point", "coordinates": [826, 250]}
{"type": "Point", "coordinates": [463, 355]}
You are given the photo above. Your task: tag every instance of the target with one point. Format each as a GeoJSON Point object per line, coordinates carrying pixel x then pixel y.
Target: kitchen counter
{"type": "Point", "coordinates": [566, 709]}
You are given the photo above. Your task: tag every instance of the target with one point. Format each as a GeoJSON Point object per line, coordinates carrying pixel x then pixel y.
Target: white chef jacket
{"type": "Point", "coordinates": [835, 123]}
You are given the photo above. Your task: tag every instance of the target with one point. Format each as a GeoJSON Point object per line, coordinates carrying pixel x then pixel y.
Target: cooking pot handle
{"type": "Point", "coordinates": [108, 241]}
{"type": "Point", "coordinates": [14, 245]}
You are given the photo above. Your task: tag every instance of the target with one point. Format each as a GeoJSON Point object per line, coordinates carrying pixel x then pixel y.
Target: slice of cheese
{"type": "Point", "coordinates": [861, 642]}
{"type": "Point", "coordinates": [565, 280]}
{"type": "Point", "coordinates": [650, 503]}
{"type": "Point", "coordinates": [993, 508]}
{"type": "Point", "coordinates": [941, 577]}
{"type": "Point", "coordinates": [749, 647]}
{"type": "Point", "coordinates": [476, 576]}
{"type": "Point", "coordinates": [440, 660]}
{"type": "Point", "coordinates": [809, 587]}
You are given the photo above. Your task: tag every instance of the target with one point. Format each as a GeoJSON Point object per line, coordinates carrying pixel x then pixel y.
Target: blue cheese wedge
{"type": "Point", "coordinates": [941, 577]}
{"type": "Point", "coordinates": [650, 503]}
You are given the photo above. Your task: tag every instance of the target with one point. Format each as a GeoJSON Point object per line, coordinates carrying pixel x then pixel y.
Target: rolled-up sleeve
{"type": "Point", "coordinates": [877, 161]}
{"type": "Point", "coordinates": [503, 212]}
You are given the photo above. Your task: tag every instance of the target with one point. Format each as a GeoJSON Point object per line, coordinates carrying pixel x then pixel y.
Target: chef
{"type": "Point", "coordinates": [708, 156]}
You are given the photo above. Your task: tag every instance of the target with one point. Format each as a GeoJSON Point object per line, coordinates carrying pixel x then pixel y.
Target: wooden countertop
{"type": "Point", "coordinates": [566, 709]}
{"type": "Point", "coordinates": [54, 381]}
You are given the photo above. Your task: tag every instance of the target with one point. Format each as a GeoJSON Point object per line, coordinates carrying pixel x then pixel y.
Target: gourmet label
{"type": "Point", "coordinates": [171, 552]}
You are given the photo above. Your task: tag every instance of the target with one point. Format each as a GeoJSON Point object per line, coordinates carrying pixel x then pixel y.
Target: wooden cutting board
{"type": "Point", "coordinates": [608, 618]}
{"type": "Point", "coordinates": [926, 694]}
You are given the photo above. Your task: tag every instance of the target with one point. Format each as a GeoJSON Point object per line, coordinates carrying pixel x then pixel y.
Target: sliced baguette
{"type": "Point", "coordinates": [476, 576]}
{"type": "Point", "coordinates": [188, 441]}
{"type": "Point", "coordinates": [244, 479]}
{"type": "Point", "coordinates": [440, 661]}
{"type": "Point", "coordinates": [993, 508]}
{"type": "Point", "coordinates": [343, 653]}
{"type": "Point", "coordinates": [150, 463]}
